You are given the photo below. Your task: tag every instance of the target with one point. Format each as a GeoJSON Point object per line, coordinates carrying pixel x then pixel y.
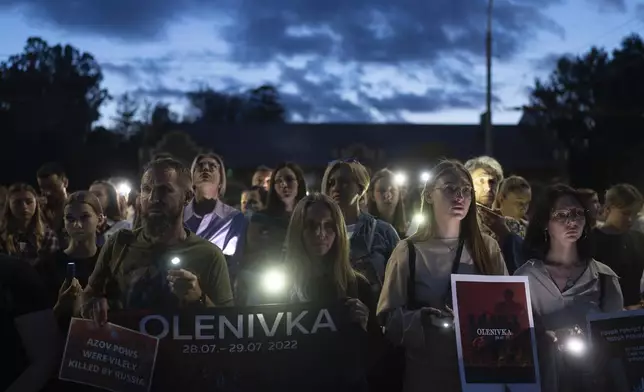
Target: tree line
{"type": "Point", "coordinates": [590, 108]}
{"type": "Point", "coordinates": [50, 101]}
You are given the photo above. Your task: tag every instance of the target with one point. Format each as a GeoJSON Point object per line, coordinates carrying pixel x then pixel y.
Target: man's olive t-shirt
{"type": "Point", "coordinates": [131, 272]}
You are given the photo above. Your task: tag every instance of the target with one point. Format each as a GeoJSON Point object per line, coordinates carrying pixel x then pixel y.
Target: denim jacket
{"type": "Point", "coordinates": [371, 245]}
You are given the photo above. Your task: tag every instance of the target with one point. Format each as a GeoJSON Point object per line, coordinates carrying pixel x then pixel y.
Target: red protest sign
{"type": "Point", "coordinates": [109, 357]}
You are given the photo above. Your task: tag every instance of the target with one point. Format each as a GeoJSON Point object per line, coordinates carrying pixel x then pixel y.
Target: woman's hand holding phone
{"type": "Point", "coordinates": [438, 318]}
{"type": "Point", "coordinates": [68, 293]}
{"type": "Point", "coordinates": [359, 312]}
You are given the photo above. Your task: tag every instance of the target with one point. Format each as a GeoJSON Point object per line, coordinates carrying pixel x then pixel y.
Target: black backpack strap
{"type": "Point", "coordinates": [602, 290]}
{"type": "Point", "coordinates": [457, 257]}
{"type": "Point", "coordinates": [411, 280]}
{"type": "Point", "coordinates": [456, 263]}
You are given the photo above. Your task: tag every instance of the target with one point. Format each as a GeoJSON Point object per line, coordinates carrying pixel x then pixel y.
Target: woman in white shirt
{"type": "Point", "coordinates": [449, 241]}
{"type": "Point", "coordinates": [566, 284]}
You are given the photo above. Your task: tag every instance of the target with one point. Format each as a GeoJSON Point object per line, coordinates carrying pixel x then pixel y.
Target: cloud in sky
{"type": "Point", "coordinates": [359, 60]}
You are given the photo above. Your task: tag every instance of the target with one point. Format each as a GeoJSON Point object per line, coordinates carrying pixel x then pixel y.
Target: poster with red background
{"type": "Point", "coordinates": [495, 332]}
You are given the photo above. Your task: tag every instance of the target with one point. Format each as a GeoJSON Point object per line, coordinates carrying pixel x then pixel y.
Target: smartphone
{"type": "Point", "coordinates": [175, 263]}
{"type": "Point", "coordinates": [71, 271]}
{"type": "Point", "coordinates": [443, 322]}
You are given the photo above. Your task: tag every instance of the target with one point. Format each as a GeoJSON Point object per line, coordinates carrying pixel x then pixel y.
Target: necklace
{"type": "Point", "coordinates": [568, 275]}
{"type": "Point", "coordinates": [447, 243]}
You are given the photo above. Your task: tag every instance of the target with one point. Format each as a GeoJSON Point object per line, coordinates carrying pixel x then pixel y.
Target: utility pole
{"type": "Point", "coordinates": [488, 92]}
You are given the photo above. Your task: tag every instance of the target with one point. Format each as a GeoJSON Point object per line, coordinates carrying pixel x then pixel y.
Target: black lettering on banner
{"type": "Point", "coordinates": [268, 347]}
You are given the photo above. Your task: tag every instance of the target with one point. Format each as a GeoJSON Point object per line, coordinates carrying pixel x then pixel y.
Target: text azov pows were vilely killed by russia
{"type": "Point", "coordinates": [113, 361]}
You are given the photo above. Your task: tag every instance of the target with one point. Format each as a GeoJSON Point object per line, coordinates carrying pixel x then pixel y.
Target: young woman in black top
{"type": "Point", "coordinates": [73, 265]}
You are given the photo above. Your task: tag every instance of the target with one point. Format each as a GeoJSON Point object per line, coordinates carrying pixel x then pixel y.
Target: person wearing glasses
{"type": "Point", "coordinates": [566, 284]}
{"type": "Point", "coordinates": [415, 304]}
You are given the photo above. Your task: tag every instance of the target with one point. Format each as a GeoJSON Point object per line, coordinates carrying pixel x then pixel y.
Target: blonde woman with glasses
{"type": "Point", "coordinates": [317, 261]}
{"type": "Point", "coordinates": [415, 301]}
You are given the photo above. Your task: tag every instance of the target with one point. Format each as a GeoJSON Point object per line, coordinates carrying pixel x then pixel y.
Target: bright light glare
{"type": "Point", "coordinates": [175, 261]}
{"type": "Point", "coordinates": [419, 218]}
{"type": "Point", "coordinates": [425, 176]}
{"type": "Point", "coordinates": [445, 325]}
{"type": "Point", "coordinates": [576, 345]}
{"type": "Point", "coordinates": [400, 178]}
{"type": "Point", "coordinates": [124, 189]}
{"type": "Point", "coordinates": [274, 281]}
{"type": "Point", "coordinates": [307, 193]}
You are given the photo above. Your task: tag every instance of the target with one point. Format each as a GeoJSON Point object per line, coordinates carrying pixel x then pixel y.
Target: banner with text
{"type": "Point", "coordinates": [618, 344]}
{"type": "Point", "coordinates": [275, 347]}
{"type": "Point", "coordinates": [111, 357]}
{"type": "Point", "coordinates": [495, 334]}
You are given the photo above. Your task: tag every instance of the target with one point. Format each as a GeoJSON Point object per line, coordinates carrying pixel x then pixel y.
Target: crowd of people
{"type": "Point", "coordinates": [342, 243]}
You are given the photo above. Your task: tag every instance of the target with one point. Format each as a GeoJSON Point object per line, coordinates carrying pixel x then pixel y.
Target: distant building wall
{"type": "Point", "coordinates": [405, 146]}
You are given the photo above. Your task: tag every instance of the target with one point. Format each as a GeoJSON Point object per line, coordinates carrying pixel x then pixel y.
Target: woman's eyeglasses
{"type": "Point", "coordinates": [574, 214]}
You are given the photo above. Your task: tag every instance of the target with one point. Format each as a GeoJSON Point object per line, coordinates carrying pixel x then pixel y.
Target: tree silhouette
{"type": "Point", "coordinates": [593, 106]}
{"type": "Point", "coordinates": [127, 109]}
{"type": "Point", "coordinates": [264, 106]}
{"type": "Point", "coordinates": [49, 98]}
{"type": "Point", "coordinates": [179, 144]}
{"type": "Point", "coordinates": [260, 105]}
{"type": "Point", "coordinates": [48, 90]}
{"type": "Point", "coordinates": [213, 107]}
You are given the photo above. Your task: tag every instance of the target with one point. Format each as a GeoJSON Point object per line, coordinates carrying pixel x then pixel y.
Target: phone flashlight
{"type": "Point", "coordinates": [444, 321]}
{"type": "Point", "coordinates": [400, 178]}
{"type": "Point", "coordinates": [575, 345]}
{"type": "Point", "coordinates": [274, 281]}
{"type": "Point", "coordinates": [573, 342]}
{"type": "Point", "coordinates": [124, 189]}
{"type": "Point", "coordinates": [71, 271]}
{"type": "Point", "coordinates": [175, 262]}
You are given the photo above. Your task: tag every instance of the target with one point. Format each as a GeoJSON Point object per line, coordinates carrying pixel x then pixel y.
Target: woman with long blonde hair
{"type": "Point", "coordinates": [23, 232]}
{"type": "Point", "coordinates": [317, 269]}
{"type": "Point", "coordinates": [415, 302]}
{"type": "Point", "coordinates": [317, 251]}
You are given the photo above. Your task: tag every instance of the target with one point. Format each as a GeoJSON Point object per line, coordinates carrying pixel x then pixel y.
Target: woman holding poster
{"type": "Point", "coordinates": [416, 298]}
{"type": "Point", "coordinates": [566, 284]}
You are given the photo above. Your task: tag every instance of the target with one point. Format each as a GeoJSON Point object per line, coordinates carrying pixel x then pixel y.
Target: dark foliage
{"type": "Point", "coordinates": [593, 106]}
